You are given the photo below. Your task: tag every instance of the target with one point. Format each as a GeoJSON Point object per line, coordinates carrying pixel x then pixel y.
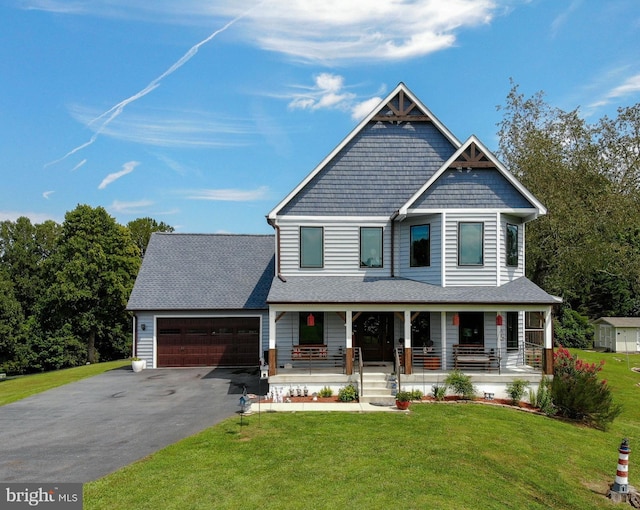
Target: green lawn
{"type": "Point", "coordinates": [24, 386]}
{"type": "Point", "coordinates": [438, 456]}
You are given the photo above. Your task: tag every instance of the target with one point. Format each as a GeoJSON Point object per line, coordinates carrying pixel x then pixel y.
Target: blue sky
{"type": "Point", "coordinates": [205, 114]}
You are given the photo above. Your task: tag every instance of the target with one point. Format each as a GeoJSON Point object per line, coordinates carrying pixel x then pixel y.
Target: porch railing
{"type": "Point", "coordinates": [397, 365]}
{"type": "Point", "coordinates": [357, 360]}
{"type": "Point", "coordinates": [529, 356]}
{"type": "Point", "coordinates": [317, 356]}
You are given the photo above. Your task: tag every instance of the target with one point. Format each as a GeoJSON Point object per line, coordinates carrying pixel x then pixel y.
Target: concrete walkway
{"type": "Point", "coordinates": [293, 407]}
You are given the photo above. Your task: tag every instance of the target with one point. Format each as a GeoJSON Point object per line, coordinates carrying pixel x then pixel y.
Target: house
{"type": "Point", "coordinates": [403, 250]}
{"type": "Point", "coordinates": [617, 334]}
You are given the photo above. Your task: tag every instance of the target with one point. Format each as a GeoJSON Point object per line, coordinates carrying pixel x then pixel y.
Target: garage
{"type": "Point", "coordinates": [210, 341]}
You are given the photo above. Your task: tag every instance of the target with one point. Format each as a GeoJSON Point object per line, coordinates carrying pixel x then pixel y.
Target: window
{"type": "Point", "coordinates": [311, 246]}
{"type": "Point", "coordinates": [470, 244]}
{"type": "Point", "coordinates": [371, 247]}
{"type": "Point", "coordinates": [308, 334]}
{"type": "Point", "coordinates": [420, 250]}
{"type": "Point", "coordinates": [512, 331]}
{"type": "Point", "coordinates": [512, 245]}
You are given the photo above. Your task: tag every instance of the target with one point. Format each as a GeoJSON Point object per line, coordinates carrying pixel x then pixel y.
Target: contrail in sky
{"type": "Point", "coordinates": [107, 117]}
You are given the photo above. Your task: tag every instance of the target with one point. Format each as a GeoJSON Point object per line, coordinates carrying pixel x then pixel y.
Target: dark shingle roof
{"type": "Point", "coordinates": [376, 172]}
{"type": "Point", "coordinates": [204, 271]}
{"type": "Point", "coordinates": [338, 289]}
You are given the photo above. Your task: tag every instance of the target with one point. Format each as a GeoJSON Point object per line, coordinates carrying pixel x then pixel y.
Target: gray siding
{"type": "Point", "coordinates": [476, 188]}
{"type": "Point", "coordinates": [510, 273]}
{"type": "Point", "coordinates": [287, 336]}
{"type": "Point", "coordinates": [433, 273]}
{"type": "Point", "coordinates": [471, 275]}
{"type": "Point", "coordinates": [375, 173]}
{"type": "Point", "coordinates": [341, 248]}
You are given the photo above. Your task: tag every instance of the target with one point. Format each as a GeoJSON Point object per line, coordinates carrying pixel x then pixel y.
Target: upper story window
{"type": "Point", "coordinates": [470, 244]}
{"type": "Point", "coordinates": [311, 246]}
{"type": "Point", "coordinates": [512, 244]}
{"type": "Point", "coordinates": [420, 249]}
{"type": "Point", "coordinates": [370, 246]}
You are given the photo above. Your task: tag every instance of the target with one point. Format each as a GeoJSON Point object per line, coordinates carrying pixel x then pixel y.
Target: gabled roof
{"type": "Point", "coordinates": [395, 149]}
{"type": "Point", "coordinates": [367, 290]}
{"type": "Point", "coordinates": [620, 322]}
{"type": "Point", "coordinates": [204, 272]}
{"type": "Point", "coordinates": [473, 177]}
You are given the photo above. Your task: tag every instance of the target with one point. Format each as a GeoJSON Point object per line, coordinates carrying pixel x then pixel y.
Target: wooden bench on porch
{"type": "Point", "coordinates": [473, 357]}
{"type": "Point", "coordinates": [318, 353]}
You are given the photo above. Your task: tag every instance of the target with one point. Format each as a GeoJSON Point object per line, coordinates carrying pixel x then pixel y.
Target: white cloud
{"type": "Point", "coordinates": [47, 194]}
{"type": "Point", "coordinates": [327, 31]}
{"type": "Point", "coordinates": [630, 86]}
{"type": "Point", "coordinates": [36, 218]}
{"type": "Point", "coordinates": [130, 207]}
{"type": "Point", "coordinates": [360, 110]}
{"type": "Point", "coordinates": [229, 195]}
{"type": "Point", "coordinates": [82, 163]}
{"type": "Point", "coordinates": [329, 91]}
{"type": "Point", "coordinates": [172, 128]}
{"type": "Point", "coordinates": [127, 168]}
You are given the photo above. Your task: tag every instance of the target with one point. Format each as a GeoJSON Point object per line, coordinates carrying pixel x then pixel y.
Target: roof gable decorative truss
{"type": "Point", "coordinates": [472, 157]}
{"type": "Point", "coordinates": [401, 105]}
{"type": "Point", "coordinates": [473, 154]}
{"type": "Point", "coordinates": [401, 108]}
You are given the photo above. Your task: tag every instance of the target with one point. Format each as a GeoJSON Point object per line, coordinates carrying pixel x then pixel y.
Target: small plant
{"type": "Point", "coordinates": [404, 396]}
{"type": "Point", "coordinates": [135, 358]}
{"type": "Point", "coordinates": [515, 390]}
{"type": "Point", "coordinates": [542, 398]}
{"type": "Point", "coordinates": [325, 392]}
{"type": "Point", "coordinates": [439, 391]}
{"type": "Point", "coordinates": [416, 395]}
{"type": "Point", "coordinates": [461, 385]}
{"type": "Point", "coordinates": [348, 393]}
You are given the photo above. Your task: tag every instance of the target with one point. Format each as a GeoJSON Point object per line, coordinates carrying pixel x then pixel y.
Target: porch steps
{"type": "Point", "coordinates": [377, 389]}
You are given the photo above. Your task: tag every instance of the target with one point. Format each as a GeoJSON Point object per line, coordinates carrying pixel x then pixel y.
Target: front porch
{"type": "Point", "coordinates": [379, 381]}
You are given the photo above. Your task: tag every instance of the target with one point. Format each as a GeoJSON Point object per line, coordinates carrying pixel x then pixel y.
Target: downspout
{"type": "Point", "coordinates": [393, 243]}
{"type": "Point", "coordinates": [273, 223]}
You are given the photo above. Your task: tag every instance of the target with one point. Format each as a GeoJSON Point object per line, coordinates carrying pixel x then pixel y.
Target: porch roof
{"type": "Point", "coordinates": [367, 290]}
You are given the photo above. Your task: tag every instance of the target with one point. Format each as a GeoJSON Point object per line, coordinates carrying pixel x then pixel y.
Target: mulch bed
{"type": "Point", "coordinates": [451, 399]}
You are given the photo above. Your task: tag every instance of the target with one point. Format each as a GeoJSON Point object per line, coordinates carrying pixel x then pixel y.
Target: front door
{"type": "Point", "coordinates": [373, 333]}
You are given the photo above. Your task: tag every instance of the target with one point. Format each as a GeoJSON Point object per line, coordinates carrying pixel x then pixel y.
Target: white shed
{"type": "Point", "coordinates": [617, 334]}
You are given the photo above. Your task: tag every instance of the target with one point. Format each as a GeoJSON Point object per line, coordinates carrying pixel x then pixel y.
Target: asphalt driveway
{"type": "Point", "coordinates": [85, 430]}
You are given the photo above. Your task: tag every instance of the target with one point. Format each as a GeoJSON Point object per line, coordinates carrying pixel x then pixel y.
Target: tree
{"type": "Point", "coordinates": [23, 249]}
{"type": "Point", "coordinates": [586, 247]}
{"type": "Point", "coordinates": [141, 230]}
{"type": "Point", "coordinates": [91, 274]}
{"type": "Point", "coordinates": [11, 318]}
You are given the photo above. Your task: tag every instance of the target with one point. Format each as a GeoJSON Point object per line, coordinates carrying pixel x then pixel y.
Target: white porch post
{"type": "Point", "coordinates": [273, 358]}
{"type": "Point", "coordinates": [443, 335]}
{"type": "Point", "coordinates": [408, 355]}
{"type": "Point", "coordinates": [348, 331]}
{"type": "Point", "coordinates": [548, 329]}
{"type": "Point", "coordinates": [547, 364]}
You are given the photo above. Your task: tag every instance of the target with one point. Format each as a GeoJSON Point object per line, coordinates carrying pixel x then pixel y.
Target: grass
{"type": "Point", "coordinates": [17, 388]}
{"type": "Point", "coordinates": [438, 456]}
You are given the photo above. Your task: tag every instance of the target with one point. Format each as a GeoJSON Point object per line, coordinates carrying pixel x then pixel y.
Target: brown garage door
{"type": "Point", "coordinates": [224, 341]}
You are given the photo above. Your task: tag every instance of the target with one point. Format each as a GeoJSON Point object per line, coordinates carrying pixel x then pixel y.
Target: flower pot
{"type": "Point", "coordinates": [402, 405]}
{"type": "Point", "coordinates": [138, 365]}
